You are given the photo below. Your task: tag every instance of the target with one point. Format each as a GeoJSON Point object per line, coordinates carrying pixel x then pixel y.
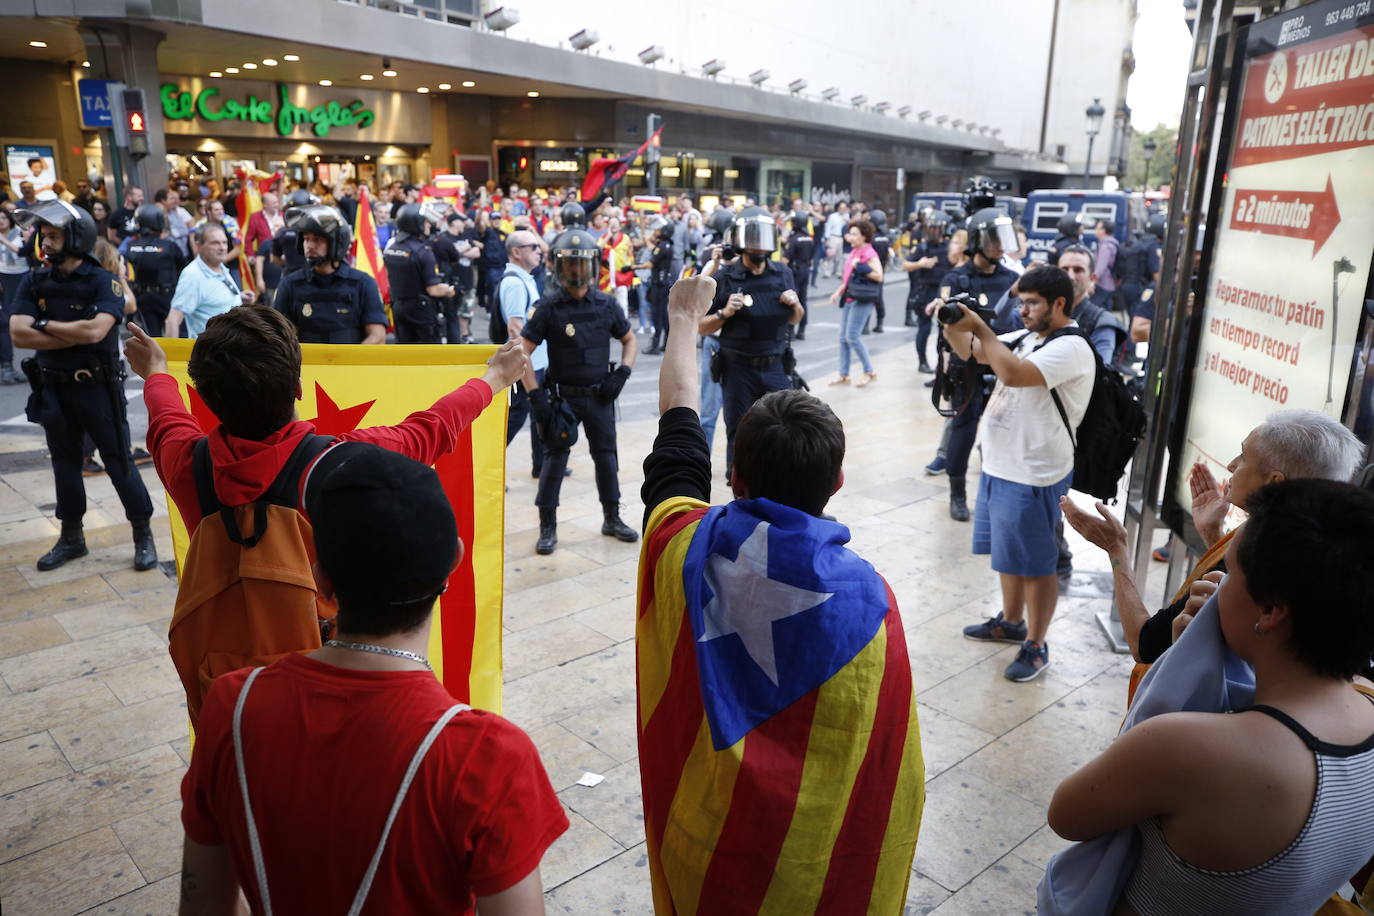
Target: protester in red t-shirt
{"type": "Point", "coordinates": [326, 738]}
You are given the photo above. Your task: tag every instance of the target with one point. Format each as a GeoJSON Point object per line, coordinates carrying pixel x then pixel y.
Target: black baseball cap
{"type": "Point", "coordinates": [384, 530]}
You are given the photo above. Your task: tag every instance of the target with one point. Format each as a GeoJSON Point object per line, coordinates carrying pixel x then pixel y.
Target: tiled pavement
{"type": "Point", "coordinates": [93, 728]}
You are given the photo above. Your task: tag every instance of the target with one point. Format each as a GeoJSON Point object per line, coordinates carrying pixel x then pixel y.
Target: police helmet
{"type": "Point", "coordinates": [301, 198]}
{"type": "Point", "coordinates": [979, 194]}
{"type": "Point", "coordinates": [322, 220]}
{"type": "Point", "coordinates": [658, 225]}
{"type": "Point", "coordinates": [879, 220]}
{"type": "Point", "coordinates": [1158, 226]}
{"type": "Point", "coordinates": [990, 226]}
{"type": "Point", "coordinates": [719, 222]}
{"type": "Point", "coordinates": [957, 217]}
{"type": "Point", "coordinates": [151, 219]}
{"type": "Point", "coordinates": [78, 228]}
{"type": "Point", "coordinates": [754, 230]}
{"type": "Point", "coordinates": [799, 219]}
{"type": "Point", "coordinates": [410, 222]}
{"type": "Point", "coordinates": [1070, 225]}
{"type": "Point", "coordinates": [573, 214]}
{"type": "Point", "coordinates": [936, 226]}
{"type": "Point", "coordinates": [575, 258]}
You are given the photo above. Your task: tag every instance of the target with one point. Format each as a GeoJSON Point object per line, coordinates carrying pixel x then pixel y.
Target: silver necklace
{"type": "Point", "coordinates": [378, 650]}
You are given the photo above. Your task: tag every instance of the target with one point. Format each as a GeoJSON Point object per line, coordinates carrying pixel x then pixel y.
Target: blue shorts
{"type": "Point", "coordinates": [1016, 524]}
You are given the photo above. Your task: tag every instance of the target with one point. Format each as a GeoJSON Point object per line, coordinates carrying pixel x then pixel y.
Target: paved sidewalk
{"type": "Point", "coordinates": [93, 737]}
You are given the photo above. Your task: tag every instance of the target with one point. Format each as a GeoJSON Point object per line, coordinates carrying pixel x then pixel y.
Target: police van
{"type": "Point", "coordinates": [1044, 209]}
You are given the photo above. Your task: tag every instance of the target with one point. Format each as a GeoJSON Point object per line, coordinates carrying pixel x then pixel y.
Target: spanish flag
{"type": "Point", "coordinates": [348, 387]}
{"type": "Point", "coordinates": [780, 755]}
{"type": "Point", "coordinates": [366, 256]}
{"type": "Point", "coordinates": [251, 188]}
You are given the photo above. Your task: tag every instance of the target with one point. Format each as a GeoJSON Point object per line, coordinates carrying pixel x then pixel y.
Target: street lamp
{"type": "Point", "coordinates": [1095, 115]}
{"type": "Point", "coordinates": [1147, 152]}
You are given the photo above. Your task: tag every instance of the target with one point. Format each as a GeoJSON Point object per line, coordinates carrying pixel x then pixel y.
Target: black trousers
{"type": "Point", "coordinates": [71, 411]}
{"type": "Point", "coordinates": [598, 425]}
{"type": "Point", "coordinates": [740, 387]}
{"type": "Point", "coordinates": [658, 305]}
{"type": "Point", "coordinates": [916, 303]}
{"type": "Point", "coordinates": [963, 430]}
{"type": "Point", "coordinates": [802, 271]}
{"type": "Point", "coordinates": [417, 321]}
{"type": "Point", "coordinates": [515, 420]}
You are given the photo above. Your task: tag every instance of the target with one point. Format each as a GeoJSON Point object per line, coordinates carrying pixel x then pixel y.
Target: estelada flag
{"type": "Point", "coordinates": [366, 256]}
{"type": "Point", "coordinates": [780, 756]}
{"type": "Point", "coordinates": [602, 173]}
{"type": "Point", "coordinates": [348, 387]}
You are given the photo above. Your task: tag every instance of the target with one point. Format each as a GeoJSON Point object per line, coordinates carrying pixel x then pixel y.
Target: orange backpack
{"type": "Point", "coordinates": [246, 601]}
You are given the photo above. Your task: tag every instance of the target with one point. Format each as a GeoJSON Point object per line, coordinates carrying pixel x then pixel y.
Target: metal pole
{"type": "Point", "coordinates": [1087, 163]}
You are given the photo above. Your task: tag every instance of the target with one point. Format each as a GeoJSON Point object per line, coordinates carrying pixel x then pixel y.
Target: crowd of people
{"type": "Point", "coordinates": [774, 688]}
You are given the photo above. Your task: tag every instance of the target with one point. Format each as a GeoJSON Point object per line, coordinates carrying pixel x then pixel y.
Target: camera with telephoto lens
{"type": "Point", "coordinates": [950, 312]}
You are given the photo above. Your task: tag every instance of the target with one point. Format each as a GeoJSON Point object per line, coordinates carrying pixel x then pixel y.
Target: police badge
{"type": "Point", "coordinates": [306, 310]}
{"type": "Point", "coordinates": [570, 329]}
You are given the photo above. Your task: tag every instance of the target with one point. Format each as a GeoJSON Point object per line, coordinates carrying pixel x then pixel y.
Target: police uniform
{"type": "Point", "coordinates": [579, 334]}
{"type": "Point", "coordinates": [752, 341]}
{"type": "Point", "coordinates": [800, 252]}
{"type": "Point", "coordinates": [285, 246]}
{"type": "Point", "coordinates": [1137, 264]}
{"type": "Point", "coordinates": [660, 282]}
{"type": "Point", "coordinates": [80, 392]}
{"type": "Point", "coordinates": [1066, 241]}
{"type": "Point", "coordinates": [987, 289]}
{"type": "Point", "coordinates": [334, 307]}
{"type": "Point", "coordinates": [410, 269]}
{"type": "Point", "coordinates": [882, 245]}
{"type": "Point", "coordinates": [154, 265]}
{"type": "Point", "coordinates": [925, 286]}
{"type": "Point", "coordinates": [445, 248]}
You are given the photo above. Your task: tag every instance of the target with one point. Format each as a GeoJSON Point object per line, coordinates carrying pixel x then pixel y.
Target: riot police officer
{"type": "Point", "coordinates": [454, 253]}
{"type": "Point", "coordinates": [69, 311]}
{"type": "Point", "coordinates": [414, 277]}
{"type": "Point", "coordinates": [1136, 265]}
{"type": "Point", "coordinates": [756, 304]}
{"type": "Point", "coordinates": [1142, 316]}
{"type": "Point", "coordinates": [286, 252]}
{"type": "Point", "coordinates": [661, 279]}
{"type": "Point", "coordinates": [926, 264]}
{"type": "Point", "coordinates": [581, 385]}
{"type": "Point", "coordinates": [798, 254]}
{"type": "Point", "coordinates": [882, 244]}
{"type": "Point", "coordinates": [990, 235]}
{"type": "Point", "coordinates": [1070, 233]}
{"type": "Point", "coordinates": [327, 300]}
{"type": "Point", "coordinates": [155, 263]}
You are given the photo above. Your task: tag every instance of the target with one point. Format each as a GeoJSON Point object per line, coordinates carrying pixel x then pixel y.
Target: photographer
{"type": "Point", "coordinates": [983, 277]}
{"type": "Point", "coordinates": [1027, 454]}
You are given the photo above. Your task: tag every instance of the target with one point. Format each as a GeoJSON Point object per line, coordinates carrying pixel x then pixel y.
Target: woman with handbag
{"type": "Point", "coordinates": [860, 288]}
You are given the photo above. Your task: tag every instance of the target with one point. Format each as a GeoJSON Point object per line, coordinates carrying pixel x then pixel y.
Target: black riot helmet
{"type": "Point", "coordinates": [957, 217]}
{"type": "Point", "coordinates": [936, 226]}
{"type": "Point", "coordinates": [575, 258]}
{"type": "Point", "coordinates": [719, 223]}
{"type": "Point", "coordinates": [879, 220]}
{"type": "Point", "coordinates": [1071, 225]}
{"type": "Point", "coordinates": [991, 226]}
{"type": "Point", "coordinates": [754, 230]}
{"type": "Point", "coordinates": [573, 215]}
{"type": "Point", "coordinates": [410, 222]}
{"type": "Point", "coordinates": [979, 194]}
{"type": "Point", "coordinates": [1158, 226]}
{"type": "Point", "coordinates": [322, 220]}
{"type": "Point", "coordinates": [799, 219]}
{"type": "Point", "coordinates": [660, 227]}
{"type": "Point", "coordinates": [300, 198]}
{"type": "Point", "coordinates": [78, 228]}
{"type": "Point", "coordinates": [151, 219]}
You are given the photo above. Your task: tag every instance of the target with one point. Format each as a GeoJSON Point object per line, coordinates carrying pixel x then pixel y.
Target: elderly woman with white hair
{"type": "Point", "coordinates": [1288, 445]}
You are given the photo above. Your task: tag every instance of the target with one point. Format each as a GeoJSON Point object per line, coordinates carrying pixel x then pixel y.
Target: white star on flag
{"type": "Point", "coordinates": [747, 603]}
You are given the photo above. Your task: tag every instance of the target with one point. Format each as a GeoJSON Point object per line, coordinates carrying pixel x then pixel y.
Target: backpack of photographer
{"type": "Point", "coordinates": [1112, 427]}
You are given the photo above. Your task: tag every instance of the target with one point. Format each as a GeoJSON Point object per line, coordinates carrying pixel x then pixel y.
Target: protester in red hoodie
{"type": "Point", "coordinates": [246, 367]}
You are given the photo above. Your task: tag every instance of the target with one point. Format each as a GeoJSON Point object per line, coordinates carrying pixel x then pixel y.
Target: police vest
{"type": "Point", "coordinates": [328, 309]}
{"type": "Point", "coordinates": [759, 329]}
{"type": "Point", "coordinates": [986, 288]}
{"type": "Point", "coordinates": [805, 248]}
{"type": "Point", "coordinates": [153, 268]}
{"type": "Point", "coordinates": [1133, 262]}
{"type": "Point", "coordinates": [929, 277]}
{"type": "Point", "coordinates": [403, 269]}
{"type": "Point", "coordinates": [73, 298]}
{"type": "Point", "coordinates": [883, 246]}
{"type": "Point", "coordinates": [580, 336]}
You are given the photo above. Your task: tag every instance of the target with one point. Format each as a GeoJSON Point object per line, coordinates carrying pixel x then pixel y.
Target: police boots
{"type": "Point", "coordinates": [145, 552]}
{"type": "Point", "coordinates": [69, 546]}
{"type": "Point", "coordinates": [548, 531]}
{"type": "Point", "coordinates": [958, 500]}
{"type": "Point", "coordinates": [613, 527]}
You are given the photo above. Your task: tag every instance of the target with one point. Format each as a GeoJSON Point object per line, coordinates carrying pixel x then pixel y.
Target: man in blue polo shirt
{"type": "Point", "coordinates": [205, 288]}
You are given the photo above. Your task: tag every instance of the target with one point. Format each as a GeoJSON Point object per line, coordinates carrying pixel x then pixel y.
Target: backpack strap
{"type": "Point", "coordinates": [282, 492]}
{"type": "Point", "coordinates": [285, 489]}
{"type": "Point", "coordinates": [204, 471]}
{"type": "Point", "coordinates": [255, 843]}
{"type": "Point", "coordinates": [1058, 404]}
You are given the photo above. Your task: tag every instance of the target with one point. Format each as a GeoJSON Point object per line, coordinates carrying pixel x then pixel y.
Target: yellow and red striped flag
{"type": "Point", "coordinates": [249, 201]}
{"type": "Point", "coordinates": [348, 387]}
{"type": "Point", "coordinates": [366, 256]}
{"type": "Point", "coordinates": [780, 757]}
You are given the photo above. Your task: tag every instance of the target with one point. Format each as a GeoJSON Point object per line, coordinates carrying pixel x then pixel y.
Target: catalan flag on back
{"type": "Point", "coordinates": [780, 755]}
{"type": "Point", "coordinates": [345, 387]}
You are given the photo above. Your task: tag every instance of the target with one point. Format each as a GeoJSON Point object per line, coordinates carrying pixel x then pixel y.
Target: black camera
{"type": "Point", "coordinates": [950, 312]}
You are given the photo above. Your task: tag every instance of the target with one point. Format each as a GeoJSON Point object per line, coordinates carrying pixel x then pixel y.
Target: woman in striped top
{"type": "Point", "coordinates": [1268, 810]}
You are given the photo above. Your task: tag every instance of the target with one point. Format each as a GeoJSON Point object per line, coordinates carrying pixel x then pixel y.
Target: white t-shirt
{"type": "Point", "coordinates": [1023, 437]}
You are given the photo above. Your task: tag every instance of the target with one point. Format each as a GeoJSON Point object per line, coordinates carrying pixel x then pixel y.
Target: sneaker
{"type": "Point", "coordinates": [936, 467]}
{"type": "Point", "coordinates": [90, 468]}
{"type": "Point", "coordinates": [1160, 554]}
{"type": "Point", "coordinates": [1030, 662]}
{"type": "Point", "coordinates": [995, 629]}
{"type": "Point", "coordinates": [141, 457]}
